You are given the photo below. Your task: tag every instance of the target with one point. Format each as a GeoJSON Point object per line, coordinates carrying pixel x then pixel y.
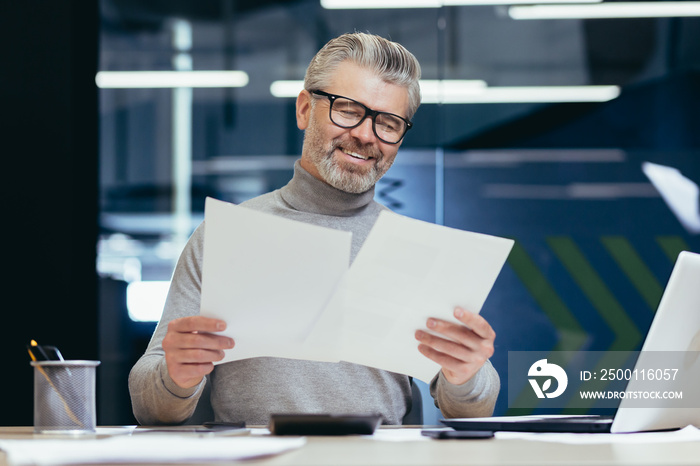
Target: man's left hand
{"type": "Point", "coordinates": [463, 346]}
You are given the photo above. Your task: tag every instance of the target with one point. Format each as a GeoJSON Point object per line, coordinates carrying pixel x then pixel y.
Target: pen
{"type": "Point", "coordinates": [54, 351]}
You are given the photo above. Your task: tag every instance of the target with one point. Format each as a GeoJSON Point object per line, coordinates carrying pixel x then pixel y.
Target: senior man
{"type": "Point", "coordinates": [360, 93]}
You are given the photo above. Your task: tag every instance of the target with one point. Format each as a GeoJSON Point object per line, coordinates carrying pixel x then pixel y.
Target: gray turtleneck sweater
{"type": "Point", "coordinates": [251, 389]}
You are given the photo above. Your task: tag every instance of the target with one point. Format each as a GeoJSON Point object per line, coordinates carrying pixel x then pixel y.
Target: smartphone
{"type": "Point", "coordinates": [224, 425]}
{"type": "Point", "coordinates": [323, 424]}
{"type": "Point", "coordinates": [441, 434]}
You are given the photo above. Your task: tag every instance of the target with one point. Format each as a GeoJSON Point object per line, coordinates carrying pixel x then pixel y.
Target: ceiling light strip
{"type": "Point", "coordinates": [170, 79]}
{"type": "Point", "coordinates": [535, 94]}
{"type": "Point", "coordinates": [431, 89]}
{"type": "Point", "coordinates": [607, 10]}
{"type": "Point", "coordinates": [405, 4]}
{"type": "Point", "coordinates": [476, 91]}
{"type": "Point", "coordinates": [286, 88]}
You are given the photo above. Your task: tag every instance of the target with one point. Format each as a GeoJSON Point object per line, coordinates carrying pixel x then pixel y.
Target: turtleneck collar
{"type": "Point", "coordinates": [308, 194]}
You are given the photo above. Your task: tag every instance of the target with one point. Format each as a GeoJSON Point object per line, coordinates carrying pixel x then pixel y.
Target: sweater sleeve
{"type": "Point", "coordinates": [474, 398]}
{"type": "Point", "coordinates": [155, 397]}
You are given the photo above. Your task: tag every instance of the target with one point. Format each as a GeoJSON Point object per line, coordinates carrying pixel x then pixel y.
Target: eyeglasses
{"type": "Point", "coordinates": [349, 113]}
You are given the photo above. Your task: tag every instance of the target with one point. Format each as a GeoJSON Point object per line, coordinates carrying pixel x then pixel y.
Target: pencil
{"type": "Point", "coordinates": [41, 370]}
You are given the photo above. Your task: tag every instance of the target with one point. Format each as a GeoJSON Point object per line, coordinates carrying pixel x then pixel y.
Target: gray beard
{"type": "Point", "coordinates": [346, 180]}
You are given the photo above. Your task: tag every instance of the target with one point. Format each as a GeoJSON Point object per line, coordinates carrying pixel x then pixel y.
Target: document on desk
{"type": "Point", "coordinates": [152, 448]}
{"type": "Point", "coordinates": [269, 278]}
{"type": "Point", "coordinates": [407, 271]}
{"type": "Point", "coordinates": [687, 434]}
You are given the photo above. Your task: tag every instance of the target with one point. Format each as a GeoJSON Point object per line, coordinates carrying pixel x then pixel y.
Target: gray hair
{"type": "Point", "coordinates": [389, 60]}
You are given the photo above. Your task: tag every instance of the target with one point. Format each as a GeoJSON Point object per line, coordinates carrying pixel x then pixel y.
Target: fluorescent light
{"type": "Point", "coordinates": [284, 89]}
{"type": "Point", "coordinates": [431, 89]}
{"type": "Point", "coordinates": [369, 4]}
{"type": "Point", "coordinates": [170, 79]}
{"type": "Point", "coordinates": [145, 300]}
{"type": "Point", "coordinates": [476, 91]}
{"type": "Point", "coordinates": [537, 94]}
{"type": "Point", "coordinates": [607, 10]}
{"type": "Point", "coordinates": [387, 4]}
{"type": "Point", "coordinates": [435, 91]}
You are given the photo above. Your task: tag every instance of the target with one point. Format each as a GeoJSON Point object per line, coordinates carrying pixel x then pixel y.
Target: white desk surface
{"type": "Point", "coordinates": [379, 450]}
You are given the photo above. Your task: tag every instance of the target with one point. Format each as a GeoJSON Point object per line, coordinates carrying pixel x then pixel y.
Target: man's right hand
{"type": "Point", "coordinates": [191, 348]}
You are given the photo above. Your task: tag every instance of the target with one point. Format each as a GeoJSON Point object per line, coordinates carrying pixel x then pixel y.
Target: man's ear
{"type": "Point", "coordinates": [303, 109]}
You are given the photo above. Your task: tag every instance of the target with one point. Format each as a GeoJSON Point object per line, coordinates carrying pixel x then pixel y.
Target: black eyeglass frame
{"type": "Point", "coordinates": [368, 112]}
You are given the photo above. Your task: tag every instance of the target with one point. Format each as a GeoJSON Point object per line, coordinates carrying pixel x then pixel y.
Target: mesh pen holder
{"type": "Point", "coordinates": [64, 396]}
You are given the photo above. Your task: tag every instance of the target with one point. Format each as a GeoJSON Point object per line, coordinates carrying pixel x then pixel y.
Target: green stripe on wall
{"type": "Point", "coordinates": [627, 335]}
{"type": "Point", "coordinates": [636, 270]}
{"type": "Point", "coordinates": [672, 246]}
{"type": "Point", "coordinates": [572, 335]}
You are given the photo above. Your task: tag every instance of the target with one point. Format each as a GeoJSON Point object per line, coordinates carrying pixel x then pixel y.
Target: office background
{"type": "Point", "coordinates": [103, 185]}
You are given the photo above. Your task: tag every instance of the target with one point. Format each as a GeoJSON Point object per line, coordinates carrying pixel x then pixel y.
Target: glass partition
{"type": "Point", "coordinates": [535, 129]}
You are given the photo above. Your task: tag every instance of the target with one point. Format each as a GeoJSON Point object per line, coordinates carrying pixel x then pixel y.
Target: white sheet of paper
{"type": "Point", "coordinates": [408, 270]}
{"type": "Point", "coordinates": [687, 434]}
{"type": "Point", "coordinates": [269, 278]}
{"type": "Point", "coordinates": [679, 193]}
{"type": "Point", "coordinates": [146, 448]}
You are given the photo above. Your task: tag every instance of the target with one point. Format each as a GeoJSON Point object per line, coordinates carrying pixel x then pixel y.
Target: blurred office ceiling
{"type": "Point", "coordinates": [273, 40]}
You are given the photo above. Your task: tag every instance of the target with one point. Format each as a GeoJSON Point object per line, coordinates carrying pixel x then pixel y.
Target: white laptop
{"type": "Point", "coordinates": [675, 329]}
